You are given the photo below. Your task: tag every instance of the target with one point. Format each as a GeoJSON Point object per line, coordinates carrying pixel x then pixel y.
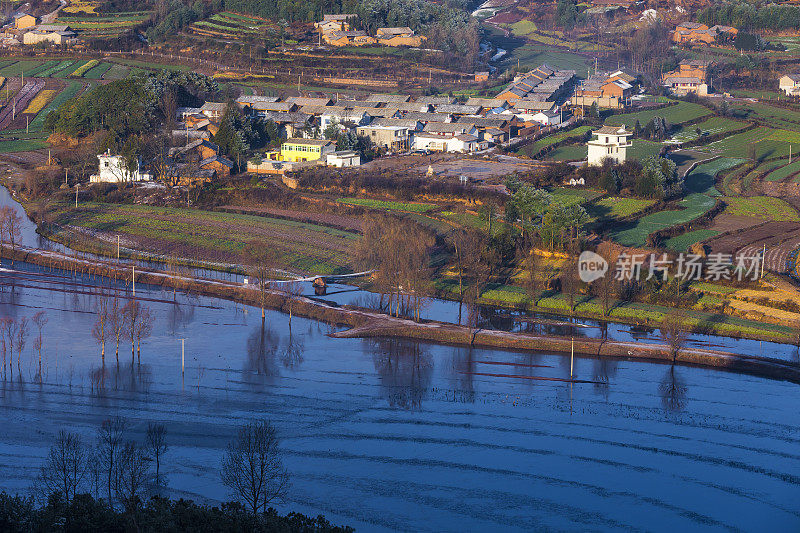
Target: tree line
{"type": "Point", "coordinates": [115, 483]}
{"type": "Point", "coordinates": [744, 15]}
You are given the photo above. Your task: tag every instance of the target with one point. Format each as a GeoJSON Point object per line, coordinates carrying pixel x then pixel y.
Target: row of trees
{"type": "Point", "coordinates": [132, 321]}
{"type": "Point", "coordinates": [123, 471]}
{"type": "Point", "coordinates": [744, 15]}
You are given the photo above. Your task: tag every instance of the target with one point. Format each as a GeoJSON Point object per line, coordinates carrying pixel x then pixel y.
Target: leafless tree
{"type": "Point", "coordinates": [532, 280]}
{"type": "Point", "coordinates": [143, 328]}
{"type": "Point", "coordinates": [131, 313]}
{"type": "Point", "coordinates": [117, 322]}
{"type": "Point", "coordinates": [157, 446]}
{"type": "Point", "coordinates": [110, 437]}
{"type": "Point", "coordinates": [132, 475]}
{"type": "Point", "coordinates": [39, 320]}
{"type": "Point", "coordinates": [3, 328]}
{"type": "Point", "coordinates": [261, 267]}
{"type": "Point", "coordinates": [673, 391]}
{"type": "Point", "coordinates": [64, 469]}
{"type": "Point", "coordinates": [673, 333]}
{"type": "Point", "coordinates": [11, 228]}
{"type": "Point", "coordinates": [293, 291]}
{"type": "Point", "coordinates": [252, 467]}
{"type": "Point", "coordinates": [100, 329]}
{"type": "Point", "coordinates": [570, 282]}
{"type": "Point", "coordinates": [21, 337]}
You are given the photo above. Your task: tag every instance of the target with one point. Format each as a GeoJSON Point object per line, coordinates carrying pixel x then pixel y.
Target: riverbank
{"type": "Point", "coordinates": [365, 323]}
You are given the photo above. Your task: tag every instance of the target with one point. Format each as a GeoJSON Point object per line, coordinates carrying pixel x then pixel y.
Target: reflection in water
{"type": "Point", "coordinates": [262, 346]}
{"type": "Point", "coordinates": [404, 369]}
{"type": "Point", "coordinates": [463, 368]}
{"type": "Point", "coordinates": [602, 371]}
{"type": "Point", "coordinates": [673, 391]}
{"type": "Point", "coordinates": [292, 351]}
{"type": "Point", "coordinates": [130, 377]}
{"type": "Point", "coordinates": [180, 315]}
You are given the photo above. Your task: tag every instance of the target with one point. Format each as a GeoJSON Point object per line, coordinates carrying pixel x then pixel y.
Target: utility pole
{"type": "Point", "coordinates": [117, 247]}
{"type": "Point", "coordinates": [571, 358]}
{"type": "Point", "coordinates": [183, 356]}
{"type": "Point", "coordinates": [76, 194]}
{"type": "Point", "coordinates": [763, 262]}
{"type": "Point", "coordinates": [133, 279]}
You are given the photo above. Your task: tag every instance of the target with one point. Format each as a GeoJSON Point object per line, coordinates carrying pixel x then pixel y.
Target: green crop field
{"type": "Point", "coordinates": [47, 65]}
{"type": "Point", "coordinates": [97, 72]}
{"type": "Point", "coordinates": [776, 117]}
{"type": "Point", "coordinates": [532, 149]}
{"type": "Point", "coordinates": [15, 68]}
{"type": "Point", "coordinates": [391, 206]}
{"type": "Point", "coordinates": [69, 69]}
{"type": "Point", "coordinates": [73, 87]}
{"type": "Point", "coordinates": [571, 196]}
{"type": "Point", "coordinates": [615, 207]}
{"type": "Point", "coordinates": [712, 126]}
{"type": "Point", "coordinates": [61, 65]}
{"type": "Point", "coordinates": [681, 243]}
{"type": "Point", "coordinates": [22, 145]}
{"type": "Point", "coordinates": [675, 114]}
{"type": "Point", "coordinates": [760, 143]}
{"type": "Point", "coordinates": [765, 207]}
{"type": "Point", "coordinates": [702, 197]}
{"type": "Point", "coordinates": [216, 236]}
{"type": "Point", "coordinates": [784, 171]}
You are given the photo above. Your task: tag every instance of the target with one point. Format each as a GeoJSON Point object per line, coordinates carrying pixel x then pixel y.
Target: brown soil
{"type": "Point", "coordinates": [325, 219]}
{"type": "Point", "coordinates": [780, 238]}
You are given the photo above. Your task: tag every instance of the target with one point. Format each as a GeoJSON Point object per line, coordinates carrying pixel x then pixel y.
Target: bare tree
{"type": "Point", "coordinates": [131, 476]}
{"type": "Point", "coordinates": [261, 267]}
{"type": "Point", "coordinates": [11, 224]}
{"type": "Point", "coordinates": [293, 291]}
{"type": "Point", "coordinates": [570, 282]}
{"type": "Point", "coordinates": [131, 313]}
{"type": "Point", "coordinates": [252, 468]}
{"type": "Point", "coordinates": [110, 436]}
{"type": "Point", "coordinates": [143, 328]}
{"type": "Point", "coordinates": [40, 320]}
{"type": "Point", "coordinates": [100, 329]}
{"type": "Point", "coordinates": [117, 322]}
{"type": "Point", "coordinates": [3, 328]}
{"type": "Point", "coordinates": [65, 467]}
{"type": "Point", "coordinates": [20, 337]}
{"type": "Point", "coordinates": [157, 446]}
{"type": "Point", "coordinates": [673, 333]}
{"type": "Point", "coordinates": [532, 280]}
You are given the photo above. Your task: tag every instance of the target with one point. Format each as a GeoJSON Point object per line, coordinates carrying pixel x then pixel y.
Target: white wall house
{"type": "Point", "coordinates": [611, 142]}
{"type": "Point", "coordinates": [790, 84]}
{"type": "Point", "coordinates": [343, 158]}
{"type": "Point", "coordinates": [547, 118]}
{"type": "Point", "coordinates": [112, 170]}
{"type": "Point", "coordinates": [438, 142]}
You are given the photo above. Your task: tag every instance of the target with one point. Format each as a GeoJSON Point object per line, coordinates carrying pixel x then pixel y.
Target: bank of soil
{"type": "Point", "coordinates": [367, 323]}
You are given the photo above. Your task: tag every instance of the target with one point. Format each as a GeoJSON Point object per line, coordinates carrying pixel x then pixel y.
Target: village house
{"type": "Point", "coordinates": [343, 158]}
{"type": "Point", "coordinates": [408, 107]}
{"type": "Point", "coordinates": [543, 81]}
{"type": "Point", "coordinates": [790, 84]}
{"type": "Point", "coordinates": [113, 169]}
{"type": "Point", "coordinates": [398, 37]}
{"type": "Point", "coordinates": [213, 110]}
{"type": "Point", "coordinates": [302, 101]}
{"type": "Point", "coordinates": [24, 20]}
{"type": "Point", "coordinates": [482, 76]}
{"type": "Point", "coordinates": [487, 103]}
{"type": "Point", "coordinates": [458, 109]}
{"type": "Point", "coordinates": [387, 98]}
{"type": "Point", "coordinates": [435, 100]}
{"type": "Point", "coordinates": [696, 33]}
{"type": "Point", "coordinates": [392, 137]}
{"type": "Point", "coordinates": [424, 118]}
{"type": "Point", "coordinates": [611, 142]}
{"type": "Point", "coordinates": [691, 76]}
{"type": "Point", "coordinates": [450, 129]}
{"type": "Point", "coordinates": [494, 135]}
{"type": "Point", "coordinates": [295, 150]}
{"type": "Point", "coordinates": [220, 165]}
{"type": "Point", "coordinates": [249, 100]}
{"type": "Point", "coordinates": [58, 34]}
{"type": "Point", "coordinates": [285, 107]}
{"type": "Point", "coordinates": [605, 90]}
{"type": "Point", "coordinates": [295, 124]}
{"type": "Point", "coordinates": [435, 142]}
{"type": "Point", "coordinates": [342, 116]}
{"type": "Point", "coordinates": [330, 23]}
{"type": "Point", "coordinates": [348, 38]}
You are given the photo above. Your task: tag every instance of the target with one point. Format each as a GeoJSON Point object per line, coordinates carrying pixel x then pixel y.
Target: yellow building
{"type": "Point", "coordinates": [294, 150]}
{"type": "Point", "coordinates": [398, 37]}
{"type": "Point", "coordinates": [23, 20]}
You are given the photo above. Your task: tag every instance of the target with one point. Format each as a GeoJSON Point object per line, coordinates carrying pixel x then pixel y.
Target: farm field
{"type": "Point", "coordinates": [390, 206]}
{"type": "Point", "coordinates": [702, 197]}
{"type": "Point", "coordinates": [760, 143]}
{"type": "Point", "coordinates": [782, 172]}
{"type": "Point", "coordinates": [712, 126]}
{"type": "Point", "coordinates": [533, 149]}
{"type": "Point", "coordinates": [569, 196]}
{"type": "Point", "coordinates": [764, 207]}
{"type": "Point", "coordinates": [615, 207]}
{"type": "Point", "coordinates": [95, 73]}
{"type": "Point", "coordinates": [215, 236]}
{"type": "Point", "coordinates": [102, 25]}
{"type": "Point", "coordinates": [72, 89]}
{"type": "Point", "coordinates": [776, 117]}
{"type": "Point", "coordinates": [231, 26]}
{"type": "Point", "coordinates": [682, 243]}
{"type": "Point", "coordinates": [675, 114]}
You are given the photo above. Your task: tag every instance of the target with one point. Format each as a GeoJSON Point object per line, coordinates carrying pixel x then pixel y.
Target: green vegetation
{"type": "Point", "coordinates": [784, 171]}
{"type": "Point", "coordinates": [712, 126]}
{"type": "Point", "coordinates": [765, 207]}
{"type": "Point", "coordinates": [776, 117]}
{"type": "Point", "coordinates": [532, 150]}
{"type": "Point", "coordinates": [675, 114]}
{"type": "Point", "coordinates": [214, 236]}
{"type": "Point", "coordinates": [758, 143]}
{"type": "Point", "coordinates": [73, 87]}
{"type": "Point", "coordinates": [641, 149]}
{"type": "Point", "coordinates": [391, 206]}
{"type": "Point", "coordinates": [569, 196]}
{"type": "Point", "coordinates": [701, 198]}
{"type": "Point", "coordinates": [95, 73]}
{"type": "Point", "coordinates": [616, 207]}
{"type": "Point", "coordinates": [681, 243]}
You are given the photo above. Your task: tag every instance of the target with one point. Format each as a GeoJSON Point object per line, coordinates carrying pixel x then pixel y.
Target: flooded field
{"type": "Point", "coordinates": [386, 434]}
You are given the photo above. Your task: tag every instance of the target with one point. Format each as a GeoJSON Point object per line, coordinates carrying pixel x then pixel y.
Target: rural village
{"type": "Point", "coordinates": [600, 180]}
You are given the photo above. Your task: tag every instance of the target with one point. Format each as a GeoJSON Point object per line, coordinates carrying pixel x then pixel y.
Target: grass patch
{"type": "Point", "coordinates": [681, 243]}
{"type": "Point", "coordinates": [675, 114]}
{"type": "Point", "coordinates": [392, 206]}
{"type": "Point", "coordinates": [616, 207]}
{"type": "Point", "coordinates": [764, 207]}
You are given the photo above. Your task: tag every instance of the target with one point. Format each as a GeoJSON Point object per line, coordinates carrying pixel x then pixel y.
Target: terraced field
{"type": "Point", "coordinates": [786, 170]}
{"type": "Point", "coordinates": [701, 198]}
{"type": "Point", "coordinates": [764, 207]}
{"type": "Point", "coordinates": [712, 126]}
{"type": "Point", "coordinates": [675, 114]}
{"type": "Point", "coordinates": [231, 26]}
{"type": "Point", "coordinates": [759, 143]}
{"type": "Point", "coordinates": [103, 26]}
{"type": "Point", "coordinates": [533, 149]}
{"type": "Point", "coordinates": [777, 117]}
{"type": "Point", "coordinates": [216, 236]}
